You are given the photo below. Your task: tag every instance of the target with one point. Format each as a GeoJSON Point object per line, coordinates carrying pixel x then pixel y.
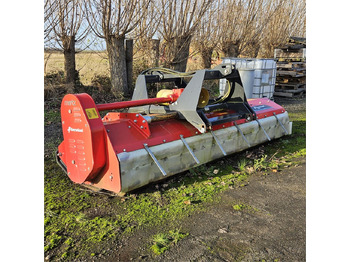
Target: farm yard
{"type": "Point", "coordinates": [216, 212]}
{"type": "Point", "coordinates": [247, 206]}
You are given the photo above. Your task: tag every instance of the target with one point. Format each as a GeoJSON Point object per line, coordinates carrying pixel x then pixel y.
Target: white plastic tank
{"type": "Point", "coordinates": [258, 76]}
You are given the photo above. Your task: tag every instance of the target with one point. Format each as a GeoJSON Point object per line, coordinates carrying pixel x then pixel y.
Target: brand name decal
{"type": "Point", "coordinates": [75, 130]}
{"type": "Point", "coordinates": [69, 103]}
{"type": "Point", "coordinates": [260, 107]}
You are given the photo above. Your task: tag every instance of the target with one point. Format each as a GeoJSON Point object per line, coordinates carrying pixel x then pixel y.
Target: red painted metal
{"type": "Point", "coordinates": [133, 120]}
{"type": "Point", "coordinates": [264, 107]}
{"type": "Point", "coordinates": [86, 150]}
{"type": "Point", "coordinates": [91, 144]}
{"type": "Point", "coordinates": [126, 104]}
{"type": "Point", "coordinates": [84, 138]}
{"type": "Point", "coordinates": [149, 101]}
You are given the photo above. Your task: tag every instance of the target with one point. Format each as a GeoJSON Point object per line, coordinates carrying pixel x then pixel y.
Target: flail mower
{"type": "Point", "coordinates": [150, 139]}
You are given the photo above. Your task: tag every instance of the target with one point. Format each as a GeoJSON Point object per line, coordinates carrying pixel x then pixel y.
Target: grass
{"type": "Point", "coordinates": [88, 64]}
{"type": "Point", "coordinates": [92, 64]}
{"type": "Point", "coordinates": [244, 207]}
{"type": "Point", "coordinates": [52, 116]}
{"type": "Point", "coordinates": [79, 223]}
{"type": "Point", "coordinates": [163, 241]}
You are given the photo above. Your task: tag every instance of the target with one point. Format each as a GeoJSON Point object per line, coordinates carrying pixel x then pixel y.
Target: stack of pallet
{"type": "Point", "coordinates": [291, 68]}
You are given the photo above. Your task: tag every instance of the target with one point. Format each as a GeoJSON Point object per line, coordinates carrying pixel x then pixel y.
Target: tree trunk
{"type": "Point", "coordinates": [256, 51]}
{"type": "Point", "coordinates": [117, 65]}
{"type": "Point", "coordinates": [180, 52]}
{"type": "Point", "coordinates": [206, 54]}
{"type": "Point", "coordinates": [129, 43]}
{"type": "Point", "coordinates": [69, 63]}
{"type": "Point", "coordinates": [252, 49]}
{"type": "Point", "coordinates": [231, 48]}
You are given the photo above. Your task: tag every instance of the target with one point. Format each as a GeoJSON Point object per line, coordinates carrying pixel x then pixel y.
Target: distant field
{"type": "Point", "coordinates": [96, 63]}
{"type": "Point", "coordinates": [87, 63]}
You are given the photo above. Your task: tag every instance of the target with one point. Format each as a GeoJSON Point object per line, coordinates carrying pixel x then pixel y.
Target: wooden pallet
{"type": "Point", "coordinates": [291, 65]}
{"type": "Point", "coordinates": [295, 69]}
{"type": "Point", "coordinates": [290, 80]}
{"type": "Point", "coordinates": [291, 68]}
{"type": "Point", "coordinates": [289, 93]}
{"type": "Point", "coordinates": [289, 86]}
{"type": "Point", "coordinates": [291, 59]}
{"type": "Point", "coordinates": [290, 73]}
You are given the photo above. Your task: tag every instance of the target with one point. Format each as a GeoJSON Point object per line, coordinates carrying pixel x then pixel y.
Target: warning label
{"type": "Point", "coordinates": [91, 113]}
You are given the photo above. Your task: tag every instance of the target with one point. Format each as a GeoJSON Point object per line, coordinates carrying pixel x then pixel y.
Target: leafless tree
{"type": "Point", "coordinates": [241, 24]}
{"type": "Point", "coordinates": [146, 41]}
{"type": "Point", "coordinates": [288, 20]}
{"type": "Point", "coordinates": [206, 37]}
{"type": "Point", "coordinates": [50, 19]}
{"type": "Point", "coordinates": [179, 21]}
{"type": "Point", "coordinates": [67, 22]}
{"type": "Point", "coordinates": [113, 20]}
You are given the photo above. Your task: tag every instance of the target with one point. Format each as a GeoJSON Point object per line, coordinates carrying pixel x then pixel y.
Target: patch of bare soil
{"type": "Point", "coordinates": [292, 104]}
{"type": "Point", "coordinates": [270, 226]}
{"type": "Point", "coordinates": [263, 221]}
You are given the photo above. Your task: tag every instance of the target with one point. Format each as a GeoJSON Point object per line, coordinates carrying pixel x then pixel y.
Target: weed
{"type": "Point", "coordinates": [163, 241]}
{"type": "Point", "coordinates": [81, 217]}
{"type": "Point", "coordinates": [64, 255]}
{"type": "Point", "coordinates": [240, 207]}
{"type": "Point", "coordinates": [53, 240]}
{"type": "Point", "coordinates": [260, 164]}
{"type": "Point", "coordinates": [242, 164]}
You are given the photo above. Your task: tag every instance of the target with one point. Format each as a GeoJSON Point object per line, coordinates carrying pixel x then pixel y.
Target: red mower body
{"type": "Point", "coordinates": [89, 152]}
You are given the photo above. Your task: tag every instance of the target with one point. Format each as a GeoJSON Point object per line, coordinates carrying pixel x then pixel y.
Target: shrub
{"type": "Point", "coordinates": [102, 82]}
{"type": "Point", "coordinates": [54, 78]}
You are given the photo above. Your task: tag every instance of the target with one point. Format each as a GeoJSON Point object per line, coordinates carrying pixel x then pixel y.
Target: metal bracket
{"type": "Point", "coordinates": [155, 159]}
{"type": "Point", "coordinates": [218, 142]}
{"type": "Point", "coordinates": [240, 131]}
{"type": "Point", "coordinates": [186, 104]}
{"type": "Point", "coordinates": [189, 149]}
{"type": "Point", "coordinates": [279, 121]}
{"type": "Point", "coordinates": [263, 129]}
{"type": "Point", "coordinates": [140, 92]}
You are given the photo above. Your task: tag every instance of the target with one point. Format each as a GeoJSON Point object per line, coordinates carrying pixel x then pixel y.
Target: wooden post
{"type": "Point", "coordinates": [129, 43]}
{"type": "Point", "coordinates": [154, 56]}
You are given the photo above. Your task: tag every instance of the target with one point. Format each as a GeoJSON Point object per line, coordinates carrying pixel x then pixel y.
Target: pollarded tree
{"type": "Point", "coordinates": [50, 20]}
{"type": "Point", "coordinates": [179, 21]}
{"type": "Point", "coordinates": [113, 20]}
{"type": "Point", "coordinates": [146, 48]}
{"type": "Point", "coordinates": [241, 24]}
{"type": "Point", "coordinates": [205, 40]}
{"type": "Point", "coordinates": [288, 20]}
{"type": "Point", "coordinates": [67, 25]}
